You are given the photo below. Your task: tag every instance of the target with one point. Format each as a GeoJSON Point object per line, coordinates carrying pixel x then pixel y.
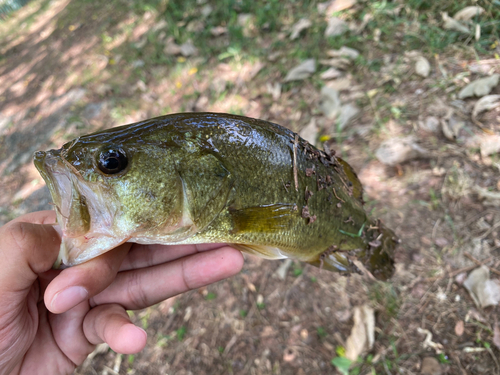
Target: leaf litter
{"type": "Point", "coordinates": [301, 71]}
{"type": "Point", "coordinates": [483, 290]}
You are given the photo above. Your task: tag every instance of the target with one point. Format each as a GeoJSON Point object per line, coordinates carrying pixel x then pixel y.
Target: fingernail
{"type": "Point", "coordinates": [68, 298]}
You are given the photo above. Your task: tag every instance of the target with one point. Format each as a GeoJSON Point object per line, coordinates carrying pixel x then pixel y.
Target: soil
{"type": "Point", "coordinates": [257, 322]}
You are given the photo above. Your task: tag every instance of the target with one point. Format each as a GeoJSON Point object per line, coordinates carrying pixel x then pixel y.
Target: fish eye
{"type": "Point", "coordinates": [112, 161]}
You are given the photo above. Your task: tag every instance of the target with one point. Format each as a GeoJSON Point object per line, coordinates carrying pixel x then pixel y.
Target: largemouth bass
{"type": "Point", "coordinates": [208, 178]}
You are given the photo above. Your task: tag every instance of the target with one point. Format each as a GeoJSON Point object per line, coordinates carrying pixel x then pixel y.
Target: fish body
{"type": "Point", "coordinates": [210, 178]}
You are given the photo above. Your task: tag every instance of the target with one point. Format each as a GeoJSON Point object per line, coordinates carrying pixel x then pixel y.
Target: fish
{"type": "Point", "coordinates": [192, 178]}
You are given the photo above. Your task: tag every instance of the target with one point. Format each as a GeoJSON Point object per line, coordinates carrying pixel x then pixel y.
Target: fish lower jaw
{"type": "Point", "coordinates": [74, 251]}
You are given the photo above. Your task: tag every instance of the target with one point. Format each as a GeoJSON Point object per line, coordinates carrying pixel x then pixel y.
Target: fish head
{"type": "Point", "coordinates": [107, 190]}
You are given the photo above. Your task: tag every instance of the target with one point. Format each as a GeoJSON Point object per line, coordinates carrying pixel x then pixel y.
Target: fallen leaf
{"type": "Point", "coordinates": [283, 269]}
{"type": "Point", "coordinates": [335, 27]}
{"type": "Point", "coordinates": [171, 48]}
{"type": "Point", "coordinates": [496, 335]}
{"type": "Point", "coordinates": [218, 30]}
{"type": "Point", "coordinates": [491, 198]}
{"type": "Point", "coordinates": [330, 102]}
{"type": "Point", "coordinates": [330, 73]}
{"type": "Point", "coordinates": [398, 150]}
{"type": "Point", "coordinates": [330, 7]}
{"type": "Point", "coordinates": [347, 113]}
{"type": "Point", "coordinates": [340, 63]}
{"type": "Point", "coordinates": [431, 124]}
{"type": "Point", "coordinates": [430, 366]}
{"type": "Point", "coordinates": [451, 127]}
{"type": "Point", "coordinates": [344, 51]}
{"type": "Point", "coordinates": [489, 144]}
{"type": "Point", "coordinates": [479, 87]}
{"type": "Point", "coordinates": [301, 71]}
{"type": "Point", "coordinates": [274, 89]}
{"type": "Point", "coordinates": [422, 66]}
{"type": "Point", "coordinates": [340, 84]}
{"type": "Point", "coordinates": [486, 103]}
{"type": "Point", "coordinates": [362, 335]}
{"type": "Point", "coordinates": [206, 10]}
{"type": "Point", "coordinates": [468, 13]}
{"type": "Point", "coordinates": [310, 132]}
{"type": "Point", "coordinates": [302, 24]}
{"type": "Point", "coordinates": [453, 24]}
{"type": "Point", "coordinates": [484, 292]}
{"type": "Point", "coordinates": [247, 23]}
{"type": "Point", "coordinates": [474, 314]}
{"type": "Point", "coordinates": [459, 328]}
{"type": "Point", "coordinates": [188, 49]}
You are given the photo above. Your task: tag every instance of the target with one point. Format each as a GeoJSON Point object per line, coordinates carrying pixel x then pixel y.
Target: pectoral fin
{"type": "Point", "coordinates": [207, 184]}
{"type": "Point", "coordinates": [262, 251]}
{"type": "Point", "coordinates": [269, 218]}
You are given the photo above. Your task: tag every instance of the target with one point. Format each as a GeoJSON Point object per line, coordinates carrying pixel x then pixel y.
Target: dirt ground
{"type": "Point", "coordinates": [68, 68]}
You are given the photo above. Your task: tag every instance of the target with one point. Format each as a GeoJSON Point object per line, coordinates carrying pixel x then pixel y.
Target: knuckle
{"type": "Point", "coordinates": [20, 237]}
{"type": "Point", "coordinates": [136, 294]}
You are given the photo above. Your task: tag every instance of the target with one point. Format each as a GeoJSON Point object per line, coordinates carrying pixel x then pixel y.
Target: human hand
{"type": "Point", "coordinates": [51, 320]}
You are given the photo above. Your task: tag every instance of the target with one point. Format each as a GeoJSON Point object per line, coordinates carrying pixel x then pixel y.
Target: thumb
{"type": "Point", "coordinates": [27, 249]}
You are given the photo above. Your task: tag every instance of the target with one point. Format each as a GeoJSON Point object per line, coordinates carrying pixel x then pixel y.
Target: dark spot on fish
{"type": "Point", "coordinates": [310, 172]}
{"type": "Point", "coordinates": [307, 194]}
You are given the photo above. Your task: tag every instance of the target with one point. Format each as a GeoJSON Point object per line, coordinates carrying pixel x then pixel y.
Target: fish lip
{"type": "Point", "coordinates": [60, 182]}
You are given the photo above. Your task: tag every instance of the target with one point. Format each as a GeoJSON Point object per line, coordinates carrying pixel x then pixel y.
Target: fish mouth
{"type": "Point", "coordinates": [71, 205]}
{"type": "Point", "coordinates": [85, 211]}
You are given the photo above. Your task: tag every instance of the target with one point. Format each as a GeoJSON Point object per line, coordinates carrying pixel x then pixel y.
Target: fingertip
{"type": "Point", "coordinates": [233, 261]}
{"type": "Point", "coordinates": [130, 339]}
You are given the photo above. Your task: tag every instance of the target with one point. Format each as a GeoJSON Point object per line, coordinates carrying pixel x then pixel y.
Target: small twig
{"type": "Point", "coordinates": [295, 176]}
{"type": "Point", "coordinates": [284, 185]}
{"type": "Point", "coordinates": [479, 263]}
{"type": "Point", "coordinates": [334, 192]}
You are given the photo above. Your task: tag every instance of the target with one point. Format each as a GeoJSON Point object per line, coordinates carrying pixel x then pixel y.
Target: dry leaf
{"type": "Point", "coordinates": [301, 71]}
{"type": "Point", "coordinates": [486, 103]}
{"type": "Point", "coordinates": [218, 30]}
{"type": "Point", "coordinates": [431, 124]}
{"type": "Point", "coordinates": [453, 24]}
{"type": "Point", "coordinates": [362, 335]}
{"type": "Point", "coordinates": [310, 132]}
{"type": "Point", "coordinates": [422, 66]}
{"type": "Point", "coordinates": [340, 63]}
{"type": "Point", "coordinates": [188, 49]}
{"type": "Point", "coordinates": [484, 292]}
{"type": "Point", "coordinates": [430, 366]}
{"type": "Point", "coordinates": [171, 48]}
{"type": "Point", "coordinates": [335, 6]}
{"type": "Point", "coordinates": [274, 89]}
{"type": "Point", "coordinates": [489, 144]}
{"type": "Point", "coordinates": [451, 127]}
{"type": "Point", "coordinates": [302, 24]}
{"type": "Point", "coordinates": [283, 269]}
{"type": "Point", "coordinates": [398, 150]}
{"type": "Point", "coordinates": [331, 73]}
{"type": "Point", "coordinates": [335, 27]}
{"type": "Point", "coordinates": [347, 113]}
{"type": "Point", "coordinates": [468, 13]}
{"type": "Point", "coordinates": [459, 328]}
{"type": "Point", "coordinates": [491, 198]}
{"type": "Point", "coordinates": [479, 87]}
{"type": "Point", "coordinates": [344, 51]}
{"type": "Point", "coordinates": [330, 102]}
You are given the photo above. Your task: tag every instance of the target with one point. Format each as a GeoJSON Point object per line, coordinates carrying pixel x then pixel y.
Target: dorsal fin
{"type": "Point", "coordinates": [357, 188]}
